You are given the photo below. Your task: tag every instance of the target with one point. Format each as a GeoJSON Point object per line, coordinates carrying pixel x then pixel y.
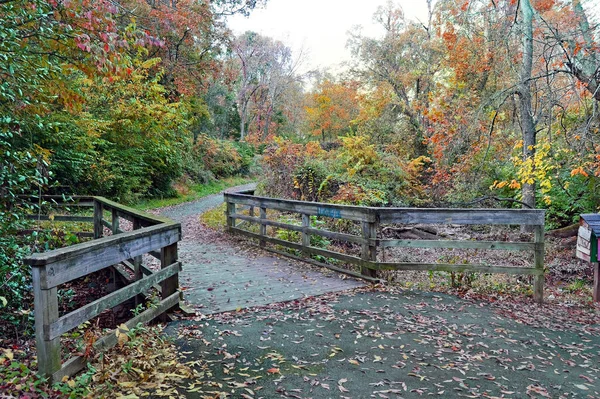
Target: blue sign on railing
{"type": "Point", "coordinates": [329, 212]}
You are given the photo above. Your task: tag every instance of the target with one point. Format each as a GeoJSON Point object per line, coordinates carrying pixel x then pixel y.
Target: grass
{"type": "Point", "coordinates": [196, 192]}
{"type": "Point", "coordinates": [214, 218]}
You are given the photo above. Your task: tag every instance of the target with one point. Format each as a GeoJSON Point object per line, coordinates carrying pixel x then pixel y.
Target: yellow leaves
{"type": "Point", "coordinates": [150, 63]}
{"type": "Point", "coordinates": [357, 154]}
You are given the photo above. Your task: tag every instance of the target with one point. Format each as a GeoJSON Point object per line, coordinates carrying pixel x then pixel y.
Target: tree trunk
{"type": "Point", "coordinates": [243, 113]}
{"type": "Point", "coordinates": [524, 93]}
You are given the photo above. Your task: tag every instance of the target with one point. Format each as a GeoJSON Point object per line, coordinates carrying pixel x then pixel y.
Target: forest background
{"type": "Point", "coordinates": [483, 101]}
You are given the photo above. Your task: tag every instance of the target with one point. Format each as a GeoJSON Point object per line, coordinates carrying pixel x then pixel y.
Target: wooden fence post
{"type": "Point", "coordinates": [45, 312]}
{"type": "Point", "coordinates": [168, 256]}
{"type": "Point", "coordinates": [538, 282]}
{"type": "Point", "coordinates": [305, 234]}
{"type": "Point", "coordinates": [228, 212]}
{"type": "Point", "coordinates": [98, 227]}
{"type": "Point", "coordinates": [115, 221]}
{"type": "Point", "coordinates": [596, 293]}
{"type": "Point", "coordinates": [263, 227]}
{"type": "Point", "coordinates": [369, 251]}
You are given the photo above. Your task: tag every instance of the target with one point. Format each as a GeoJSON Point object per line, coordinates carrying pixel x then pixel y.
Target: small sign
{"type": "Point", "coordinates": [583, 243]}
{"type": "Point", "coordinates": [329, 212]}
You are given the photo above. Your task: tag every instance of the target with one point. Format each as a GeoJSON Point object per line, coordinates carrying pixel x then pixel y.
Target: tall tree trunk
{"type": "Point", "coordinates": [243, 115]}
{"type": "Point", "coordinates": [524, 93]}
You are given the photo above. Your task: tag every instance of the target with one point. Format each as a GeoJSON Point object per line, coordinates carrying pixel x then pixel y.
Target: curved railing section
{"type": "Point", "coordinates": [110, 246]}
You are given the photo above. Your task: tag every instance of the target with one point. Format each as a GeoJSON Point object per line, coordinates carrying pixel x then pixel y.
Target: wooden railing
{"type": "Point", "coordinates": [150, 234]}
{"type": "Point", "coordinates": [370, 220]}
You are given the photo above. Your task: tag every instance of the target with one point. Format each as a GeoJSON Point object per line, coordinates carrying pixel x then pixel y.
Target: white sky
{"type": "Point", "coordinates": [319, 26]}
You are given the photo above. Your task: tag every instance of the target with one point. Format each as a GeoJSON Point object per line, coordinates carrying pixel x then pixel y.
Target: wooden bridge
{"type": "Point", "coordinates": [148, 252]}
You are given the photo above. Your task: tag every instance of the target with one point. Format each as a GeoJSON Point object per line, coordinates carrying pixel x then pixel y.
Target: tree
{"type": "Point", "coordinates": [406, 59]}
{"type": "Point", "coordinates": [331, 108]}
{"type": "Point", "coordinates": [528, 125]}
{"type": "Point", "coordinates": [266, 69]}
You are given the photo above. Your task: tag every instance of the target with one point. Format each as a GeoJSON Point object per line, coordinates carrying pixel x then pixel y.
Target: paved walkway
{"type": "Point", "coordinates": [218, 277]}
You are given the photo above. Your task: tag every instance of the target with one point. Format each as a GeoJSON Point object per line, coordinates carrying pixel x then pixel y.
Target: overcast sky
{"type": "Point", "coordinates": [319, 26]}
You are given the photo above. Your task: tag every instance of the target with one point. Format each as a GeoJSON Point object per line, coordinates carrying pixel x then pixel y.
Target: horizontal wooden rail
{"type": "Point", "coordinates": [370, 218]}
{"type": "Point", "coordinates": [448, 244]}
{"type": "Point", "coordinates": [518, 217]}
{"type": "Point", "coordinates": [66, 264]}
{"type": "Point", "coordinates": [151, 234]}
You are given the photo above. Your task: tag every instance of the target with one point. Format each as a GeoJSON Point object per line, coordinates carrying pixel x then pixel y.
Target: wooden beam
{"type": "Point", "coordinates": [304, 229]}
{"type": "Point", "coordinates": [369, 251]}
{"type": "Point", "coordinates": [263, 227]}
{"type": "Point", "coordinates": [450, 267]}
{"type": "Point", "coordinates": [66, 264]}
{"type": "Point", "coordinates": [305, 233]}
{"type": "Point", "coordinates": [538, 282]}
{"type": "Point", "coordinates": [500, 245]}
{"type": "Point", "coordinates": [170, 285]}
{"type": "Point", "coordinates": [534, 217]}
{"type": "Point", "coordinates": [335, 211]}
{"type": "Point", "coordinates": [45, 302]}
{"type": "Point", "coordinates": [132, 212]}
{"type": "Point", "coordinates": [596, 288]}
{"type": "Point", "coordinates": [325, 265]}
{"type": "Point", "coordinates": [98, 227]}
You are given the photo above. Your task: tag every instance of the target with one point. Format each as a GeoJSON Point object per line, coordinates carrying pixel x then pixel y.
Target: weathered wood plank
{"type": "Point", "coordinates": [268, 222]}
{"type": "Point", "coordinates": [368, 251]}
{"type": "Point", "coordinates": [98, 228]}
{"type": "Point", "coordinates": [77, 363]}
{"type": "Point", "coordinates": [307, 229]}
{"type": "Point", "coordinates": [170, 285]}
{"type": "Point", "coordinates": [305, 234]}
{"type": "Point", "coordinates": [538, 281]}
{"type": "Point", "coordinates": [263, 228]}
{"type": "Point", "coordinates": [229, 214]}
{"type": "Point", "coordinates": [337, 255]}
{"type": "Point", "coordinates": [69, 263]}
{"type": "Point", "coordinates": [265, 238]}
{"type": "Point", "coordinates": [596, 288]}
{"type": "Point", "coordinates": [500, 245]}
{"type": "Point", "coordinates": [356, 213]}
{"type": "Point", "coordinates": [450, 267]}
{"type": "Point", "coordinates": [325, 265]}
{"type": "Point", "coordinates": [45, 303]}
{"type": "Point", "coordinates": [534, 217]}
{"type": "Point", "coordinates": [132, 212]}
{"type": "Point", "coordinates": [93, 309]}
{"type": "Point", "coordinates": [114, 222]}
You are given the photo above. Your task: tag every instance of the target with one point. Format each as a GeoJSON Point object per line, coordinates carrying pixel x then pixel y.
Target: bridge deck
{"type": "Point", "coordinates": [219, 276]}
{"type": "Point", "coordinates": [217, 279]}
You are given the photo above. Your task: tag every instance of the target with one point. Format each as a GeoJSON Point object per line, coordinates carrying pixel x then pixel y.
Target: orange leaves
{"type": "Point", "coordinates": [579, 171]}
{"type": "Point", "coordinates": [332, 107]}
